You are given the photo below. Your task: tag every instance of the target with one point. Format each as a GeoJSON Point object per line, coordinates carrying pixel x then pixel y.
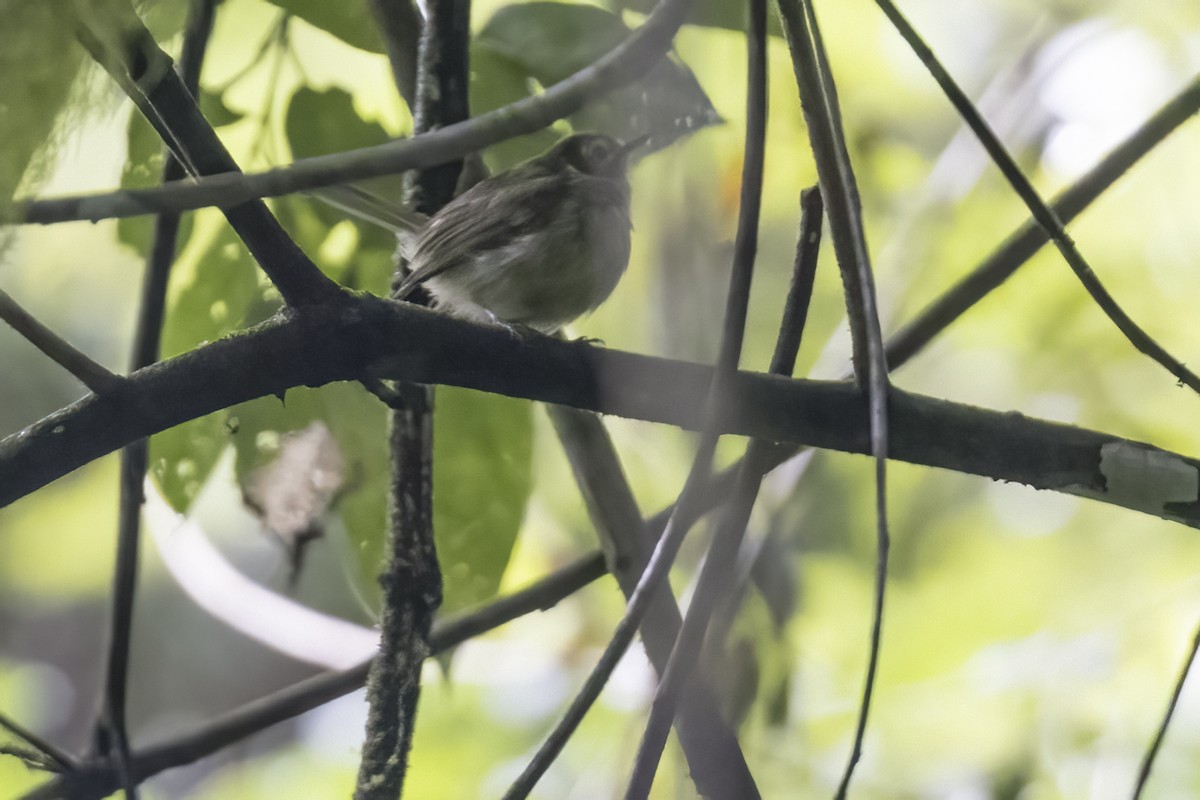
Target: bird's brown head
{"type": "Point", "coordinates": [597, 154]}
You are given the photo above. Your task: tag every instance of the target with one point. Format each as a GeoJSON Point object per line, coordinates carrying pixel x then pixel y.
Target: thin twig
{"type": "Point", "coordinates": [100, 778]}
{"type": "Point", "coordinates": [90, 374]}
{"type": "Point", "coordinates": [1152, 752]}
{"type": "Point", "coordinates": [1044, 215]}
{"type": "Point", "coordinates": [64, 760]}
{"type": "Point", "coordinates": [624, 64]}
{"type": "Point", "coordinates": [733, 332]}
{"type": "Point", "coordinates": [721, 559]}
{"type": "Point", "coordinates": [111, 730]}
{"type": "Point", "coordinates": [1021, 245]}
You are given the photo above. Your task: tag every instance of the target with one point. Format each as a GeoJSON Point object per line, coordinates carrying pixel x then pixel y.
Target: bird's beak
{"type": "Point", "coordinates": [634, 144]}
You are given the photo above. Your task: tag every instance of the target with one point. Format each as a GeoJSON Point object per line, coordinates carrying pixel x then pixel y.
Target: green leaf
{"type": "Point", "coordinates": [212, 290]}
{"type": "Point", "coordinates": [350, 22]}
{"type": "Point", "coordinates": [482, 477]}
{"type": "Point", "coordinates": [496, 81]}
{"type": "Point", "coordinates": [39, 61]}
{"type": "Point", "coordinates": [550, 41]}
{"type": "Point", "coordinates": [215, 111]}
{"type": "Point", "coordinates": [321, 122]}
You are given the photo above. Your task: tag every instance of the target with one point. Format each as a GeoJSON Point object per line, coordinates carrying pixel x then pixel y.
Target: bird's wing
{"type": "Point", "coordinates": [491, 214]}
{"type": "Point", "coordinates": [370, 207]}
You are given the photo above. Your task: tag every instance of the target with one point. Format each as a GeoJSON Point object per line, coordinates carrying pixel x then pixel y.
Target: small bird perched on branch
{"type": "Point", "coordinates": [537, 245]}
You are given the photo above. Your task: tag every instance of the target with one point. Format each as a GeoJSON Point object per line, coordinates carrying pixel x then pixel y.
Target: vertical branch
{"type": "Point", "coordinates": [818, 97]}
{"type": "Point", "coordinates": [732, 336]}
{"type": "Point", "coordinates": [714, 757]}
{"type": "Point", "coordinates": [719, 563]}
{"type": "Point", "coordinates": [412, 579]}
{"type": "Point", "coordinates": [111, 733]}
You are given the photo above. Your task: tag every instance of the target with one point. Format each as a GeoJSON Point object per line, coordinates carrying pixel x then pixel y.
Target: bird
{"type": "Point", "coordinates": [535, 246]}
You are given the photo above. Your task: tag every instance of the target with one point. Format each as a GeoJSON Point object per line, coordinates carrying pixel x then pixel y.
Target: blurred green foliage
{"type": "Point", "coordinates": [1030, 639]}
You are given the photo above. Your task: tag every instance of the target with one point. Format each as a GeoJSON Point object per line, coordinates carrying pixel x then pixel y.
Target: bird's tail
{"type": "Point", "coordinates": [370, 207]}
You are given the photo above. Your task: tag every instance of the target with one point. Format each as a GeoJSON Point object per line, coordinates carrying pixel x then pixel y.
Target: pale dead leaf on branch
{"type": "Point", "coordinates": [292, 493]}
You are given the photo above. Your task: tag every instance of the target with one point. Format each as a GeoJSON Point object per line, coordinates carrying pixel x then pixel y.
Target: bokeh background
{"type": "Point", "coordinates": [1031, 639]}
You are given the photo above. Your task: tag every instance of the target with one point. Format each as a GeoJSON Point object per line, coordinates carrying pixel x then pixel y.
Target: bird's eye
{"type": "Point", "coordinates": [597, 152]}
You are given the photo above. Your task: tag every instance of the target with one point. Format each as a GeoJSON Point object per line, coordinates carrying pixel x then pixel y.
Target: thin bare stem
{"type": "Point", "coordinates": [1044, 215]}
{"type": "Point", "coordinates": [60, 758]}
{"type": "Point", "coordinates": [1152, 752]}
{"type": "Point", "coordinates": [74, 361]}
{"type": "Point", "coordinates": [663, 710]}
{"type": "Point", "coordinates": [818, 96]}
{"type": "Point", "coordinates": [144, 72]}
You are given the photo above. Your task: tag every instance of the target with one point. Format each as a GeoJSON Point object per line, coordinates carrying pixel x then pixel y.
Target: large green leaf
{"type": "Point", "coordinates": [322, 122]}
{"type": "Point", "coordinates": [550, 41]}
{"type": "Point", "coordinates": [482, 448]}
{"type": "Point", "coordinates": [214, 286]}
{"type": "Point", "coordinates": [351, 21]}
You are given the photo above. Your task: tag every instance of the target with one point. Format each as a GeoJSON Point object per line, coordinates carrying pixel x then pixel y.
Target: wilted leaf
{"type": "Point", "coordinates": [551, 41]}
{"type": "Point", "coordinates": [293, 493]}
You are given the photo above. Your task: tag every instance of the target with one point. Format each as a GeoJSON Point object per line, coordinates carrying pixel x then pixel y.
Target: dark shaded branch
{"type": "Point", "coordinates": [99, 779]}
{"type": "Point", "coordinates": [1044, 215]}
{"type": "Point", "coordinates": [399, 341]}
{"type": "Point", "coordinates": [144, 72]}
{"type": "Point", "coordinates": [627, 62]}
{"type": "Point", "coordinates": [111, 731]}
{"type": "Point", "coordinates": [721, 559]}
{"type": "Point", "coordinates": [412, 578]}
{"type": "Point", "coordinates": [91, 374]}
